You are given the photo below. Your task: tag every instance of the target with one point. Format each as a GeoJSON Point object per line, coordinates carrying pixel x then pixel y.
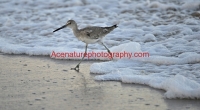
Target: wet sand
{"type": "Point", "coordinates": [42, 83]}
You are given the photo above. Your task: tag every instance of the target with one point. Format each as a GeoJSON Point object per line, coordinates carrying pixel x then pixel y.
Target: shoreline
{"type": "Point", "coordinates": [39, 82]}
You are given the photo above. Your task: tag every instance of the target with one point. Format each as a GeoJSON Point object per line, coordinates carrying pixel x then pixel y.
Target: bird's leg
{"type": "Point", "coordinates": [107, 50]}
{"type": "Point", "coordinates": [77, 66]}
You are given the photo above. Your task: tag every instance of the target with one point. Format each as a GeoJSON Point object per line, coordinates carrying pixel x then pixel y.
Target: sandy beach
{"type": "Point", "coordinates": [42, 83]}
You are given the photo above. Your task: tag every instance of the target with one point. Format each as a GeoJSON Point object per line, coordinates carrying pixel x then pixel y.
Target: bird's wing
{"type": "Point", "coordinates": [86, 31]}
{"type": "Point", "coordinates": [105, 30]}
{"type": "Point", "coordinates": [91, 32]}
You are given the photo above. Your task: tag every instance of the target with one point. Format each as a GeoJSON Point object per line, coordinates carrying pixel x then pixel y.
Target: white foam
{"type": "Point", "coordinates": [177, 86]}
{"type": "Point", "coordinates": [168, 77]}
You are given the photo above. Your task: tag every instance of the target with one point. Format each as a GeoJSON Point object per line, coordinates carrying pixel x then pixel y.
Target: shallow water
{"type": "Point", "coordinates": [168, 30]}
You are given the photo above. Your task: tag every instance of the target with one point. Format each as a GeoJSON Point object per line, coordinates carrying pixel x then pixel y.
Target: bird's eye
{"type": "Point", "coordinates": [69, 22]}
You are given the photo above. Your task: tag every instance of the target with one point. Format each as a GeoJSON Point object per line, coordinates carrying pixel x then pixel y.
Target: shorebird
{"type": "Point", "coordinates": [88, 35]}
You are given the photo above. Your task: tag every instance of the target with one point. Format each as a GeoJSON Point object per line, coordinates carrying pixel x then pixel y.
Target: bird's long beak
{"type": "Point", "coordinates": [60, 28]}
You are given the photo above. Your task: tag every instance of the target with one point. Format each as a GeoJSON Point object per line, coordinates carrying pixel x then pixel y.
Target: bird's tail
{"type": "Point", "coordinates": [112, 27]}
{"type": "Point", "coordinates": [115, 26]}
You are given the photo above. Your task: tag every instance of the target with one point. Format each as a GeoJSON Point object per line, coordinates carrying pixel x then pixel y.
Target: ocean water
{"type": "Point", "coordinates": [168, 30]}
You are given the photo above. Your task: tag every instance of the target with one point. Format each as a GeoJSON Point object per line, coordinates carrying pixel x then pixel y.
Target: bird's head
{"type": "Point", "coordinates": [70, 23]}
